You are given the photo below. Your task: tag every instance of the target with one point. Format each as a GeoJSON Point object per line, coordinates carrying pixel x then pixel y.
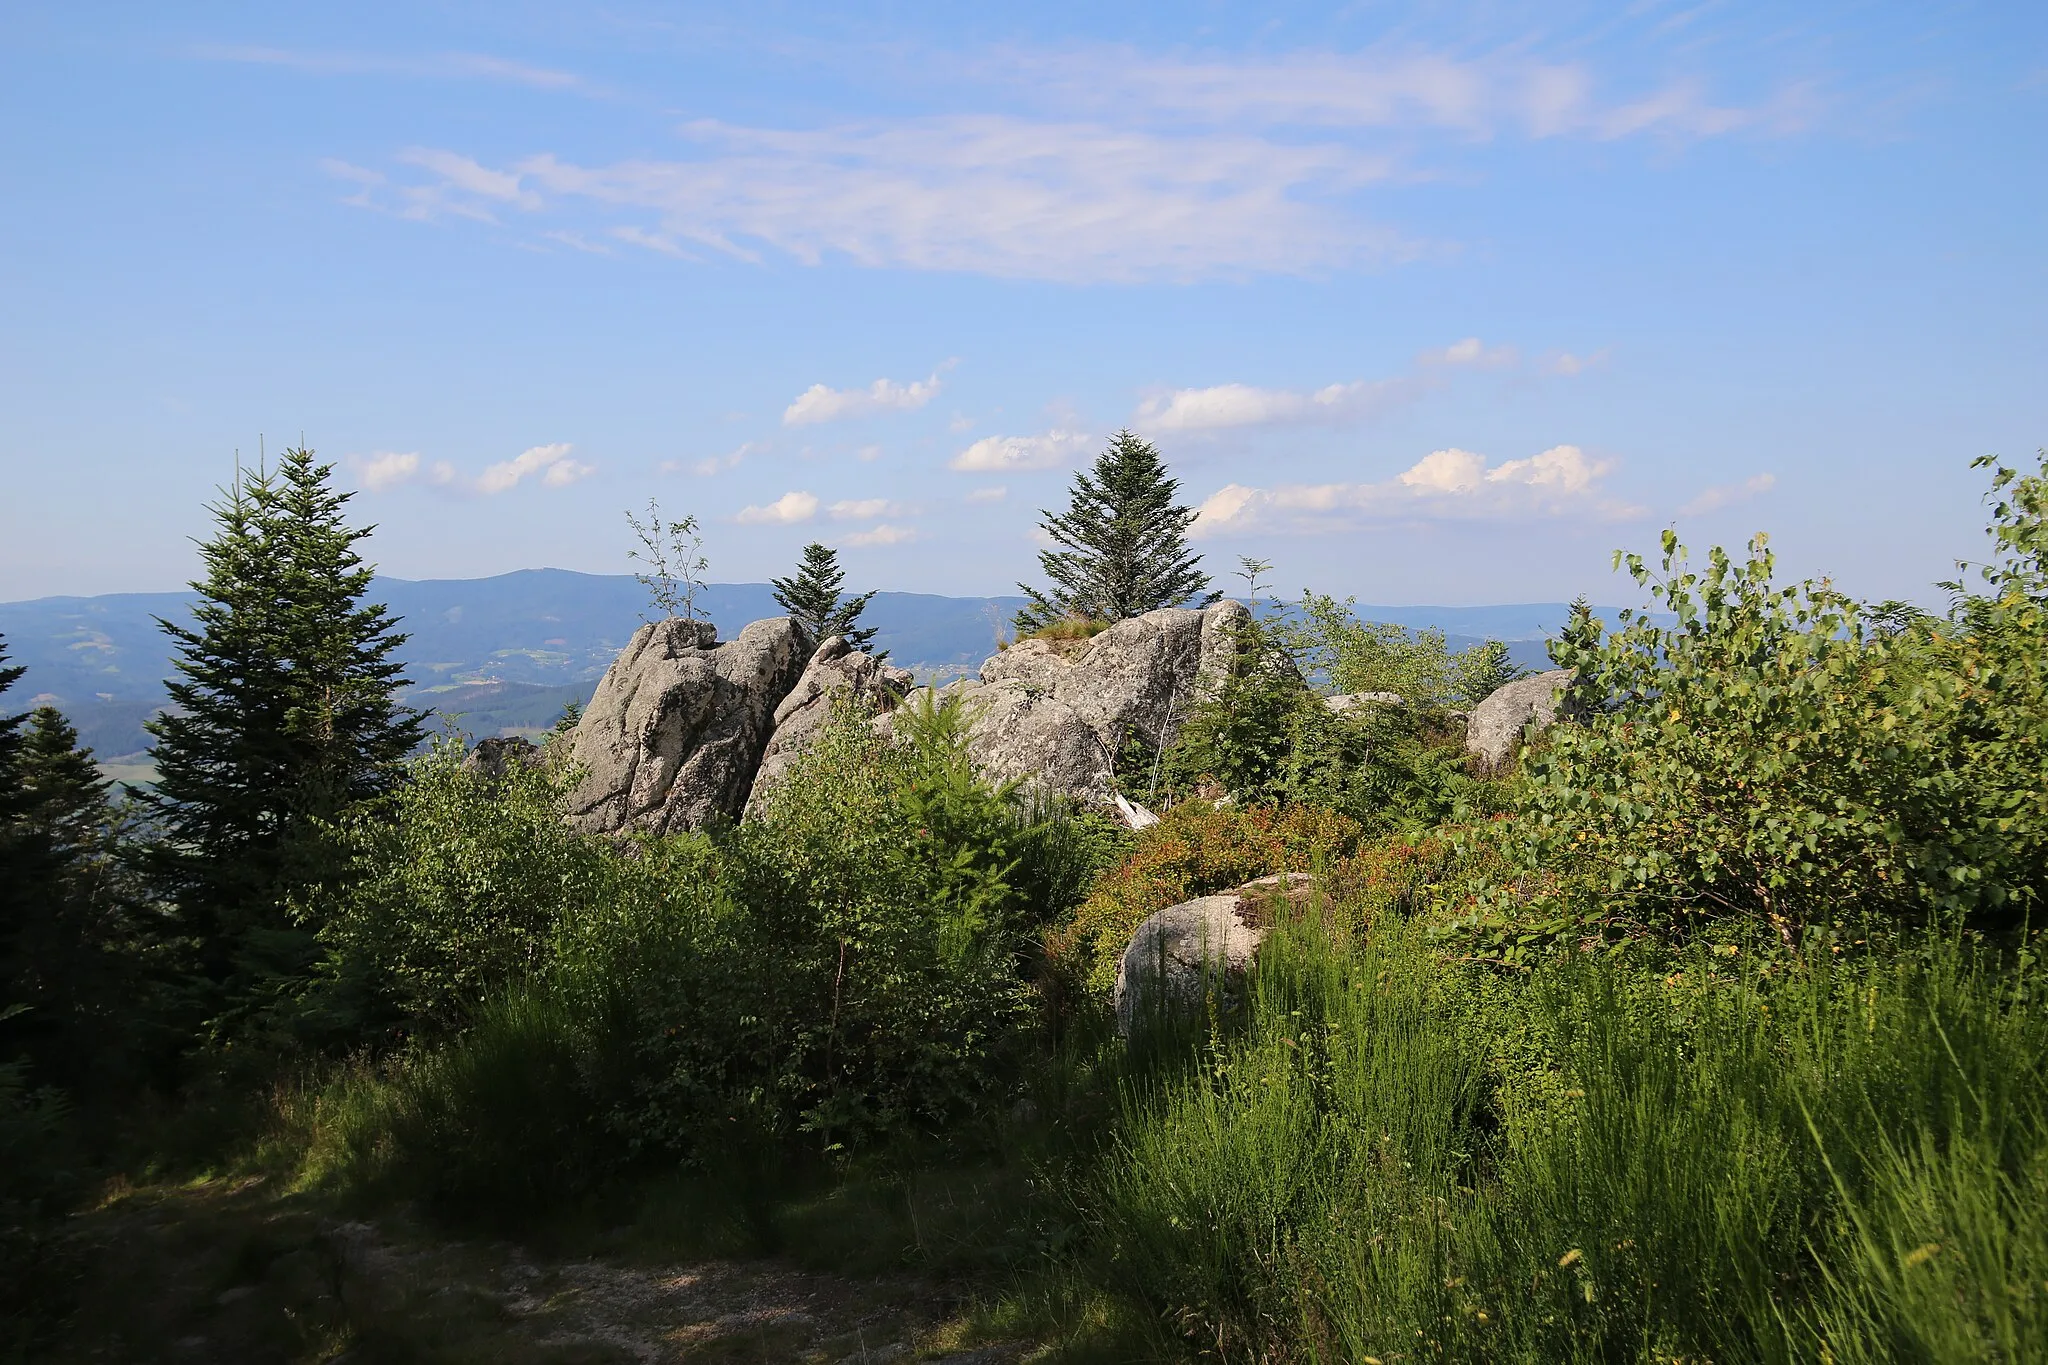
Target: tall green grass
{"type": "Point", "coordinates": [1405, 1158]}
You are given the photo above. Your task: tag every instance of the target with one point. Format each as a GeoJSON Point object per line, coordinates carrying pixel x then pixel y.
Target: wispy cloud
{"type": "Point", "coordinates": [988, 194]}
{"type": "Point", "coordinates": [999, 454]}
{"type": "Point", "coordinates": [866, 509]}
{"type": "Point", "coordinates": [1728, 494]}
{"type": "Point", "coordinates": [821, 404]}
{"type": "Point", "coordinates": [387, 469]}
{"type": "Point", "coordinates": [1135, 168]}
{"type": "Point", "coordinates": [551, 462]}
{"type": "Point", "coordinates": [1445, 485]}
{"type": "Point", "coordinates": [1565, 364]}
{"type": "Point", "coordinates": [882, 535]}
{"type": "Point", "coordinates": [437, 66]}
{"type": "Point", "coordinates": [1221, 406]}
{"type": "Point", "coordinates": [788, 510]}
{"type": "Point", "coordinates": [1473, 353]}
{"type": "Point", "coordinates": [993, 493]}
{"type": "Point", "coordinates": [713, 464]}
{"type": "Point", "coordinates": [1476, 97]}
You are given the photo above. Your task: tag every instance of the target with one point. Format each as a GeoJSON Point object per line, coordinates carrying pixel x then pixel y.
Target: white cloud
{"type": "Point", "coordinates": [998, 454]}
{"type": "Point", "coordinates": [868, 453]}
{"type": "Point", "coordinates": [865, 509]}
{"type": "Point", "coordinates": [1474, 353]}
{"type": "Point", "coordinates": [882, 535]}
{"type": "Point", "coordinates": [1222, 406]}
{"type": "Point", "coordinates": [551, 461]}
{"type": "Point", "coordinates": [787, 510]}
{"type": "Point", "coordinates": [995, 493]}
{"type": "Point", "coordinates": [1728, 494]}
{"type": "Point", "coordinates": [388, 469]}
{"type": "Point", "coordinates": [1445, 485]}
{"type": "Point", "coordinates": [820, 404]}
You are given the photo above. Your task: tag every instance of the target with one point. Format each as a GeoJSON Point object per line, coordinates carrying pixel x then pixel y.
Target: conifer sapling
{"type": "Point", "coordinates": [1123, 544]}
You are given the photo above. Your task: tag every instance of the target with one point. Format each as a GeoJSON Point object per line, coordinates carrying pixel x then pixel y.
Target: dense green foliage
{"type": "Point", "coordinates": [1769, 754]}
{"type": "Point", "coordinates": [1264, 735]}
{"type": "Point", "coordinates": [840, 974]}
{"type": "Point", "coordinates": [1712, 1029]}
{"type": "Point", "coordinates": [1122, 541]}
{"type": "Point", "coordinates": [813, 600]}
{"type": "Point", "coordinates": [1327, 640]}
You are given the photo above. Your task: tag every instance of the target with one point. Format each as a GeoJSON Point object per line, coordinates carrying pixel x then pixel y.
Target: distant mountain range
{"type": "Point", "coordinates": [505, 654]}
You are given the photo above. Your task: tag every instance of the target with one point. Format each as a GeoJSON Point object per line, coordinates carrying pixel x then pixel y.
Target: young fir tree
{"type": "Point", "coordinates": [282, 712]}
{"type": "Point", "coordinates": [1123, 542]}
{"type": "Point", "coordinates": [16, 857]}
{"type": "Point", "coordinates": [64, 914]}
{"type": "Point", "coordinates": [811, 597]}
{"type": "Point", "coordinates": [10, 741]}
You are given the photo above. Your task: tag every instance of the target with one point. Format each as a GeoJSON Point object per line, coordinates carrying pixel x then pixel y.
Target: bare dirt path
{"type": "Point", "coordinates": [226, 1272]}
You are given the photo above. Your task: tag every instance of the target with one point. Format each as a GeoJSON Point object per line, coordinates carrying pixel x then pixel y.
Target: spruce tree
{"type": "Point", "coordinates": [63, 913]}
{"type": "Point", "coordinates": [811, 597]}
{"type": "Point", "coordinates": [10, 741]}
{"type": "Point", "coordinates": [282, 712]}
{"type": "Point", "coordinates": [1123, 542]}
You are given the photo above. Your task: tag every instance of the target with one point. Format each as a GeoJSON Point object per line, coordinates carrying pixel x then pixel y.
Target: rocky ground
{"type": "Point", "coordinates": [230, 1272]}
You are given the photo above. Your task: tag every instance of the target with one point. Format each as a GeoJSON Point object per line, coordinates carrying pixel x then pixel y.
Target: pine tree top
{"type": "Point", "coordinates": [811, 596]}
{"type": "Point", "coordinates": [1122, 543]}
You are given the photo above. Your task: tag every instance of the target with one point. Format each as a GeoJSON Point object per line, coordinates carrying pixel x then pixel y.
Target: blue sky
{"type": "Point", "coordinates": [1423, 303]}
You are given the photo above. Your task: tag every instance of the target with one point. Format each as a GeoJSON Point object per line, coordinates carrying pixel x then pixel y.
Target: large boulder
{"type": "Point", "coordinates": [675, 732]}
{"type": "Point", "coordinates": [1526, 706]}
{"type": "Point", "coordinates": [836, 670]}
{"type": "Point", "coordinates": [493, 758]}
{"type": "Point", "coordinates": [1344, 703]}
{"type": "Point", "coordinates": [1179, 955]}
{"type": "Point", "coordinates": [1055, 713]}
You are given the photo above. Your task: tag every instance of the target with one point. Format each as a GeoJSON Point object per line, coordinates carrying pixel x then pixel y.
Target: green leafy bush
{"type": "Point", "coordinates": [1329, 641]}
{"type": "Point", "coordinates": [451, 889]}
{"type": "Point", "coordinates": [847, 972]}
{"type": "Point", "coordinates": [1772, 753]}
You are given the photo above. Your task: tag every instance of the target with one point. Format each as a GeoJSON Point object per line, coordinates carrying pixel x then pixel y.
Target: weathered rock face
{"type": "Point", "coordinates": [1346, 702]}
{"type": "Point", "coordinates": [492, 758]}
{"type": "Point", "coordinates": [1178, 954]}
{"type": "Point", "coordinates": [835, 670]}
{"type": "Point", "coordinates": [1055, 713]}
{"type": "Point", "coordinates": [676, 730]}
{"type": "Point", "coordinates": [1497, 724]}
